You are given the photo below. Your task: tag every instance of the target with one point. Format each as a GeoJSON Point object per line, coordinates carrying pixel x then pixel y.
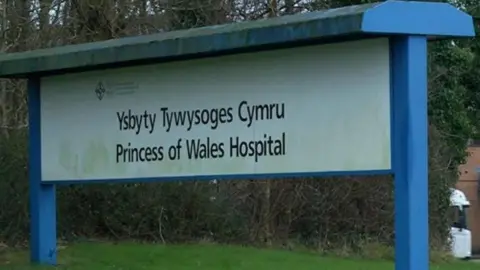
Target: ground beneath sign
{"type": "Point", "coordinates": [148, 257]}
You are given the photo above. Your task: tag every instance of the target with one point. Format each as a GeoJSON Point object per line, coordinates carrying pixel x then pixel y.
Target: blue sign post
{"type": "Point", "coordinates": [356, 77]}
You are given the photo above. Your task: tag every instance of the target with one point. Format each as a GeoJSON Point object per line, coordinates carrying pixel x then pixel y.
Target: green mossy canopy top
{"type": "Point", "coordinates": [376, 19]}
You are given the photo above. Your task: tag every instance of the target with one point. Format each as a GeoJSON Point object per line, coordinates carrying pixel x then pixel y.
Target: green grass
{"type": "Point", "coordinates": [130, 256]}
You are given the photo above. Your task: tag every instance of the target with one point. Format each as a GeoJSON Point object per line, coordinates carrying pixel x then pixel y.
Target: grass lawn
{"type": "Point", "coordinates": [129, 256]}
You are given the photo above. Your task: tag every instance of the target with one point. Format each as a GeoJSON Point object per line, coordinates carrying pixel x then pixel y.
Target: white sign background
{"type": "Point", "coordinates": [336, 99]}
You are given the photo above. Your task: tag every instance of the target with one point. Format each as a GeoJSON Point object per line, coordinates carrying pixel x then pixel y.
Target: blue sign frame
{"type": "Point", "coordinates": [408, 25]}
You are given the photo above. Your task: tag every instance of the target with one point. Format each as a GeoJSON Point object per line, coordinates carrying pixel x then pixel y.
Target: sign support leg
{"type": "Point", "coordinates": [410, 151]}
{"type": "Point", "coordinates": [43, 237]}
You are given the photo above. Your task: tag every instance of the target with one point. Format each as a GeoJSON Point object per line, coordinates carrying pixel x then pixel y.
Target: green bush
{"type": "Point", "coordinates": [326, 213]}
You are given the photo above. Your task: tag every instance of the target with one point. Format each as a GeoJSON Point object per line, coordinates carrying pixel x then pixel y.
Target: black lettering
{"type": "Point", "coordinates": [243, 111]}
{"type": "Point", "coordinates": [131, 120]}
{"type": "Point", "coordinates": [198, 117]}
{"type": "Point", "coordinates": [136, 122]}
{"type": "Point", "coordinates": [252, 113]}
{"type": "Point", "coordinates": [129, 154]}
{"type": "Point", "coordinates": [133, 155]}
{"type": "Point", "coordinates": [222, 114]}
{"type": "Point", "coordinates": [197, 149]}
{"type": "Point", "coordinates": [120, 117]}
{"type": "Point", "coordinates": [180, 118]}
{"type": "Point", "coordinates": [172, 152]}
{"type": "Point", "coordinates": [190, 118]}
{"type": "Point", "coordinates": [212, 117]}
{"type": "Point", "coordinates": [148, 153]}
{"type": "Point", "coordinates": [152, 117]}
{"type": "Point", "coordinates": [226, 115]}
{"type": "Point", "coordinates": [119, 152]}
{"type": "Point", "coordinates": [267, 146]}
{"type": "Point", "coordinates": [167, 121]}
{"type": "Point", "coordinates": [205, 117]}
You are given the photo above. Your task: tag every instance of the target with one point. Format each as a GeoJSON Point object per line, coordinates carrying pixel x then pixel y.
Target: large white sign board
{"type": "Point", "coordinates": [309, 109]}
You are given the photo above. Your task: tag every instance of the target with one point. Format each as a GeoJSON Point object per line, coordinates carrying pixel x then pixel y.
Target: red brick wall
{"type": "Point", "coordinates": [468, 183]}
